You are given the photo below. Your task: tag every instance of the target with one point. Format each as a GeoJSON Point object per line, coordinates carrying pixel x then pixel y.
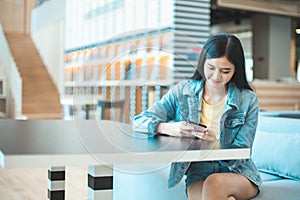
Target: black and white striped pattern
{"type": "Point", "coordinates": [56, 183]}
{"type": "Point", "coordinates": [100, 183]}
{"type": "Point", "coordinates": [192, 29]}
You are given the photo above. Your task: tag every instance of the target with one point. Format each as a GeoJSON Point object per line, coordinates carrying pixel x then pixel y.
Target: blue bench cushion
{"type": "Point", "coordinates": [269, 177]}
{"type": "Point", "coordinates": [279, 190]}
{"type": "Point", "coordinates": [277, 153]}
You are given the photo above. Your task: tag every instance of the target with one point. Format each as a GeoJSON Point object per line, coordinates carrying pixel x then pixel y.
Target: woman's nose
{"type": "Point", "coordinates": [217, 75]}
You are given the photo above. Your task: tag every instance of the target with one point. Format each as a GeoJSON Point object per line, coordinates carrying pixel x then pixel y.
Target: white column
{"type": "Point", "coordinates": [100, 183]}
{"type": "Point", "coordinates": [271, 46]}
{"type": "Point", "coordinates": [56, 183]}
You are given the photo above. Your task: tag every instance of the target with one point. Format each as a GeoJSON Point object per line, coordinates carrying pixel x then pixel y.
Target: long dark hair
{"type": "Point", "coordinates": [228, 45]}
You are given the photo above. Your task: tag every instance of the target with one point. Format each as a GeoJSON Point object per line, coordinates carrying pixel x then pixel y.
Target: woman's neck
{"type": "Point", "coordinates": [213, 95]}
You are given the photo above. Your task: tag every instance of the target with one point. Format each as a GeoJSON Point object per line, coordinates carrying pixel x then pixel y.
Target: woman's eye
{"type": "Point", "coordinates": [225, 72]}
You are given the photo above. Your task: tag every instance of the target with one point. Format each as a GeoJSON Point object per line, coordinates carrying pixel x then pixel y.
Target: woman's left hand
{"type": "Point", "coordinates": [207, 135]}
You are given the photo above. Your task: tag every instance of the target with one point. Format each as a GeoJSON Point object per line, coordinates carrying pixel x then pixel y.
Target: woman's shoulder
{"type": "Point", "coordinates": [242, 92]}
{"type": "Point", "coordinates": [188, 83]}
{"type": "Point", "coordinates": [242, 96]}
{"type": "Point", "coordinates": [248, 93]}
{"type": "Point", "coordinates": [248, 97]}
{"type": "Point", "coordinates": [187, 86]}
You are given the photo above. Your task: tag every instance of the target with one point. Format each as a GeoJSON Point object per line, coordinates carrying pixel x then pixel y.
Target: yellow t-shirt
{"type": "Point", "coordinates": [211, 115]}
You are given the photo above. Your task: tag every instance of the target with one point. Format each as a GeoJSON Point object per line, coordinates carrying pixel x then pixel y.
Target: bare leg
{"type": "Point", "coordinates": [195, 190]}
{"type": "Point", "coordinates": [228, 185]}
{"type": "Point", "coordinates": [222, 186]}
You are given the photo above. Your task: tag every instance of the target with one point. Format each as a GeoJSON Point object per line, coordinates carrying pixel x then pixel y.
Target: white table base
{"type": "Point", "coordinates": [56, 183]}
{"type": "Point", "coordinates": [100, 182]}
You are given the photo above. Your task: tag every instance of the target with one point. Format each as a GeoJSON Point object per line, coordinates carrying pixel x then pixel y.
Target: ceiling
{"type": "Point", "coordinates": [223, 14]}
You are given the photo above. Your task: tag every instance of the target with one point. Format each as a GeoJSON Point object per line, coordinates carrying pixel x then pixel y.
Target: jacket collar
{"type": "Point", "coordinates": [233, 94]}
{"type": "Point", "coordinates": [194, 88]}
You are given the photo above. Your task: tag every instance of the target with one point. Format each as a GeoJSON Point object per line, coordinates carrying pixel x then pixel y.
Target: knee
{"type": "Point", "coordinates": [213, 181]}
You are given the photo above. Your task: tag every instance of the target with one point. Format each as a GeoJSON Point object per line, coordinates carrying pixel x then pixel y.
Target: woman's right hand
{"type": "Point", "coordinates": [179, 129]}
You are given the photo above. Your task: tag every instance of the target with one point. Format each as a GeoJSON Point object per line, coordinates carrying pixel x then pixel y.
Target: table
{"type": "Point", "coordinates": [100, 144]}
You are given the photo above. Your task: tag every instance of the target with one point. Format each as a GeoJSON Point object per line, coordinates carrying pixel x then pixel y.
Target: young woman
{"type": "Point", "coordinates": [218, 96]}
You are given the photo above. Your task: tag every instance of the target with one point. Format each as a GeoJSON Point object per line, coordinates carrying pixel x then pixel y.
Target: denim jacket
{"type": "Point", "coordinates": [237, 125]}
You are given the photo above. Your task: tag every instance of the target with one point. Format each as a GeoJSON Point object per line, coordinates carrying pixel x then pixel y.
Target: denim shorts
{"type": "Point", "coordinates": [201, 170]}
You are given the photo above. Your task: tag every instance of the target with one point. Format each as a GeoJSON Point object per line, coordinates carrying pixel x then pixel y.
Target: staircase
{"type": "Point", "coordinates": [40, 96]}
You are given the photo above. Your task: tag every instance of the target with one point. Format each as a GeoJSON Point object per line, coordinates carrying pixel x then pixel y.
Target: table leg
{"type": "Point", "coordinates": [56, 183]}
{"type": "Point", "coordinates": [100, 182]}
{"type": "Point", "coordinates": [87, 110]}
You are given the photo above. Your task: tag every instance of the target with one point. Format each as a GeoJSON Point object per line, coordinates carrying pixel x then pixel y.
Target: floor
{"type": "Point", "coordinates": [31, 183]}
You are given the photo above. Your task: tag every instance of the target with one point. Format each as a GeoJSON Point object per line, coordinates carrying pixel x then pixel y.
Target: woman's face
{"type": "Point", "coordinates": [218, 72]}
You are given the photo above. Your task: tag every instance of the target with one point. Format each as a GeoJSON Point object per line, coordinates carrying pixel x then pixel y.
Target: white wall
{"type": "Point", "coordinates": [9, 70]}
{"type": "Point", "coordinates": [47, 31]}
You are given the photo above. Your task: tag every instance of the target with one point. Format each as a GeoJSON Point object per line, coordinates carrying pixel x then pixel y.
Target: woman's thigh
{"type": "Point", "coordinates": [230, 184]}
{"type": "Point", "coordinates": [200, 171]}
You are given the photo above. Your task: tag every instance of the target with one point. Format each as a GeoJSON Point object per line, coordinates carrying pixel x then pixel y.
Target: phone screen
{"type": "Point", "coordinates": [195, 123]}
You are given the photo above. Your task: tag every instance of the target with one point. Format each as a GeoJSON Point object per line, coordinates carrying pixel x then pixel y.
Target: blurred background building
{"type": "Point", "coordinates": [60, 58]}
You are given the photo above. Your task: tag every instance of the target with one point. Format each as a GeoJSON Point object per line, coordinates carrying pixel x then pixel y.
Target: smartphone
{"type": "Point", "coordinates": [197, 126]}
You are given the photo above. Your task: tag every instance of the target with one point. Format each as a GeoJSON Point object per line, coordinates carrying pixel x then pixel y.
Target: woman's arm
{"type": "Point", "coordinates": [162, 116]}
{"type": "Point", "coordinates": [246, 134]}
{"type": "Point", "coordinates": [163, 110]}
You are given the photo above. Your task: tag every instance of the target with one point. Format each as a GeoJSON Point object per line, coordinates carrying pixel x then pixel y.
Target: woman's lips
{"type": "Point", "coordinates": [215, 82]}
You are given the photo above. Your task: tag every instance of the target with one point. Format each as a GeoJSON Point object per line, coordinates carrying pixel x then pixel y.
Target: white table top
{"type": "Point", "coordinates": [93, 142]}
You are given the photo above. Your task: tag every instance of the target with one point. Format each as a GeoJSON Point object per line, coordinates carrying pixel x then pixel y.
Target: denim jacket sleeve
{"type": "Point", "coordinates": [246, 135]}
{"type": "Point", "coordinates": [161, 111]}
